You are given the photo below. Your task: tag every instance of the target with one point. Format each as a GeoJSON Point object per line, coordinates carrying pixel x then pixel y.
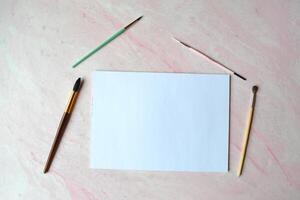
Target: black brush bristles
{"type": "Point", "coordinates": [77, 85]}
{"type": "Point", "coordinates": [240, 76]}
{"type": "Point", "coordinates": [126, 27]}
{"type": "Point", "coordinates": [254, 88]}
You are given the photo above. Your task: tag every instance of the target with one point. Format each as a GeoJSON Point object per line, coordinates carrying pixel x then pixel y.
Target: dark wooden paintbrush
{"type": "Point", "coordinates": [63, 123]}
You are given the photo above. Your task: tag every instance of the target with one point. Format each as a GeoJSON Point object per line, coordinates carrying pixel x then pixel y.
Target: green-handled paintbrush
{"type": "Point", "coordinates": [122, 30]}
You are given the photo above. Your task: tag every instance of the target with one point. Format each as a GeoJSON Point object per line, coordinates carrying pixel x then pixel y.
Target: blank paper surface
{"type": "Point", "coordinates": [160, 121]}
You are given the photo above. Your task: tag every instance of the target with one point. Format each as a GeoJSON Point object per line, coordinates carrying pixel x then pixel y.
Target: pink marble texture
{"type": "Point", "coordinates": [40, 40]}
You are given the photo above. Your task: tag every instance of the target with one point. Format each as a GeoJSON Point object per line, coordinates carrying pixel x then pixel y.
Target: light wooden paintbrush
{"type": "Point", "coordinates": [247, 131]}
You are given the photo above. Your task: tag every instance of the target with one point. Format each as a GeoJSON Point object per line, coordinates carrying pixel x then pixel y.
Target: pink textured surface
{"type": "Point", "coordinates": [40, 40]}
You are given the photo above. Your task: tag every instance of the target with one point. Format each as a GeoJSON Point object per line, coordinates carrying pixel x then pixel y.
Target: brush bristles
{"type": "Point", "coordinates": [254, 88]}
{"type": "Point", "coordinates": [77, 85]}
{"type": "Point", "coordinates": [126, 27]}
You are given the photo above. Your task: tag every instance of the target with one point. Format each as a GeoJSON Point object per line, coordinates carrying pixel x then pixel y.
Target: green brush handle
{"type": "Point", "coordinates": [114, 36]}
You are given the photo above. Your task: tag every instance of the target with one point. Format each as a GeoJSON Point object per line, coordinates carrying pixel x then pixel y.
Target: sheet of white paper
{"type": "Point", "coordinates": [160, 121]}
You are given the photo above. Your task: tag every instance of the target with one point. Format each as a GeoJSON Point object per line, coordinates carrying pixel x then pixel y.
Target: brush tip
{"type": "Point", "coordinates": [175, 39]}
{"type": "Point", "coordinates": [254, 88]}
{"type": "Point", "coordinates": [184, 44]}
{"type": "Point", "coordinates": [240, 76]}
{"type": "Point", "coordinates": [77, 85]}
{"type": "Point", "coordinates": [126, 27]}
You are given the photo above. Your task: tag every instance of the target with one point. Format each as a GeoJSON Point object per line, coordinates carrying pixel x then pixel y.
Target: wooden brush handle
{"type": "Point", "coordinates": [245, 141]}
{"type": "Point", "coordinates": [59, 134]}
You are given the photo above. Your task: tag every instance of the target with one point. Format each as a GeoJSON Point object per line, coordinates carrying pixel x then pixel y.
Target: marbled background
{"type": "Point", "coordinates": [40, 40]}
